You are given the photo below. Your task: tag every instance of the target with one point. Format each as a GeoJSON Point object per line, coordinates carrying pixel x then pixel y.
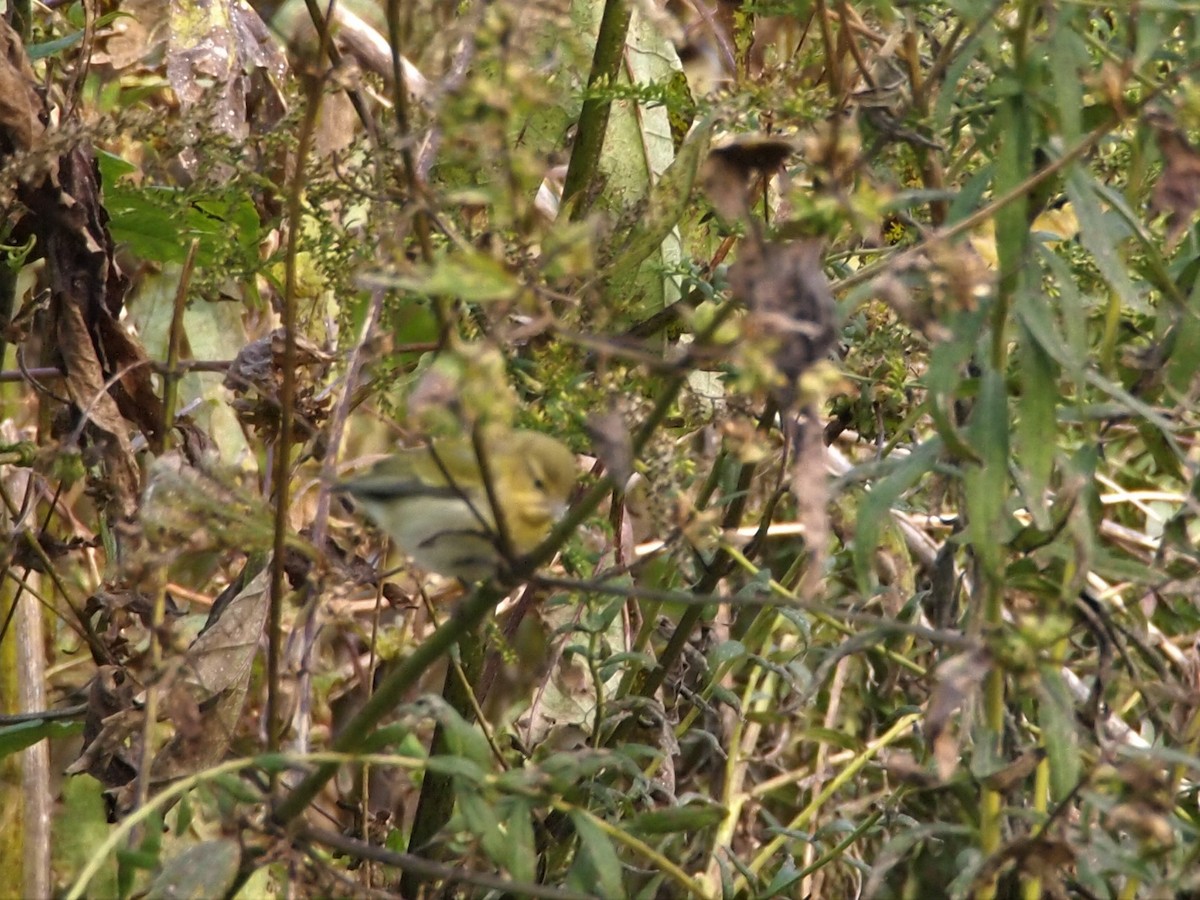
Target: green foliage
{"type": "Point", "coordinates": [949, 654]}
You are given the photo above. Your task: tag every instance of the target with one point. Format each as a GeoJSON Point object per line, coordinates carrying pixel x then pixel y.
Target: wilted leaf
{"type": "Point", "coordinates": [87, 287]}
{"type": "Point", "coordinates": [222, 58]}
{"type": "Point", "coordinates": [570, 694]}
{"type": "Point", "coordinates": [205, 702]}
{"type": "Point", "coordinates": [1009, 777]}
{"type": "Point", "coordinates": [958, 681]}
{"type": "Point", "coordinates": [613, 444]}
{"type": "Point", "coordinates": [135, 36]}
{"type": "Point", "coordinates": [21, 108]}
{"type": "Point", "coordinates": [667, 201]}
{"type": "Point", "coordinates": [1177, 192]}
{"type": "Point", "coordinates": [790, 301]}
{"type": "Point", "coordinates": [728, 169]}
{"type": "Point", "coordinates": [85, 383]}
{"type": "Point", "coordinates": [110, 747]}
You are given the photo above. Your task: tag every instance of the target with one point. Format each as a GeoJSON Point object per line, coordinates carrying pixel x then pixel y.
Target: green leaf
{"type": "Point", "coordinates": [725, 652]}
{"type": "Point", "coordinates": [787, 875]}
{"type": "Point", "coordinates": [204, 870]}
{"type": "Point", "coordinates": [1070, 348]}
{"type": "Point", "coordinates": [1102, 234]}
{"type": "Point", "coordinates": [668, 200]}
{"type": "Point", "coordinates": [677, 819]}
{"type": "Point", "coordinates": [471, 277]}
{"type": "Point", "coordinates": [522, 856]}
{"type": "Point", "coordinates": [876, 509]}
{"type": "Point", "coordinates": [1036, 428]}
{"type": "Point", "coordinates": [1056, 717]}
{"type": "Point", "coordinates": [49, 48]}
{"type": "Point", "coordinates": [14, 738]}
{"type": "Point", "coordinates": [1013, 165]}
{"type": "Point", "coordinates": [80, 826]}
{"type": "Point", "coordinates": [456, 766]}
{"type": "Point", "coordinates": [1184, 361]}
{"type": "Point", "coordinates": [481, 819]}
{"type": "Point", "coordinates": [987, 483]}
{"type": "Point", "coordinates": [832, 736]}
{"type": "Point", "coordinates": [1067, 57]}
{"type": "Point", "coordinates": [152, 232]}
{"type": "Point", "coordinates": [597, 869]}
{"type": "Point", "coordinates": [464, 739]}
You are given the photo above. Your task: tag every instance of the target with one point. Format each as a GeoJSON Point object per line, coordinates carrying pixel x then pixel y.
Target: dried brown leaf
{"type": "Point", "coordinates": [207, 701]}
{"type": "Point", "coordinates": [221, 57]}
{"type": "Point", "coordinates": [1013, 774]}
{"type": "Point", "coordinates": [85, 383]}
{"type": "Point", "coordinates": [21, 109]}
{"type": "Point", "coordinates": [726, 173]}
{"type": "Point", "coordinates": [958, 682]}
{"type": "Point", "coordinates": [790, 301]}
{"type": "Point", "coordinates": [87, 288]}
{"type": "Point", "coordinates": [136, 37]}
{"type": "Point", "coordinates": [110, 730]}
{"type": "Point", "coordinates": [1177, 192]}
{"type": "Point", "coordinates": [613, 444]}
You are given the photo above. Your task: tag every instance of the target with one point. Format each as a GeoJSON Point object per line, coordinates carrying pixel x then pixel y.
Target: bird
{"type": "Point", "coordinates": [434, 501]}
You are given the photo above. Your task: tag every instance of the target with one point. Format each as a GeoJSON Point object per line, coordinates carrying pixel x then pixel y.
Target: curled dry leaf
{"type": "Point", "coordinates": [613, 444]}
{"type": "Point", "coordinates": [256, 376]}
{"type": "Point", "coordinates": [1013, 774]}
{"type": "Point", "coordinates": [214, 682]}
{"type": "Point", "coordinates": [726, 173]}
{"type": "Point", "coordinates": [111, 732]}
{"type": "Point", "coordinates": [1177, 192]}
{"type": "Point", "coordinates": [21, 109]}
{"type": "Point", "coordinates": [790, 301]}
{"type": "Point", "coordinates": [958, 681]}
{"type": "Point", "coordinates": [107, 371]}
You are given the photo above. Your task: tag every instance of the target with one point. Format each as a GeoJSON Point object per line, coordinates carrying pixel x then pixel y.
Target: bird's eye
{"type": "Point", "coordinates": [539, 483]}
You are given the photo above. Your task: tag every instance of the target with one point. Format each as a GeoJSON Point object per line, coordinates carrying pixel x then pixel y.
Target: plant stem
{"type": "Point", "coordinates": [390, 692]}
{"type": "Point", "coordinates": [287, 402]}
{"type": "Point", "coordinates": [436, 802]}
{"type": "Point", "coordinates": [593, 119]}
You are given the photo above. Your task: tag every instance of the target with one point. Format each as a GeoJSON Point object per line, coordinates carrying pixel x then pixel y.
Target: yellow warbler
{"type": "Point", "coordinates": [434, 503]}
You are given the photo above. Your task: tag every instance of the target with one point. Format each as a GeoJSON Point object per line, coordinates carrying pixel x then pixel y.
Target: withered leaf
{"type": "Point", "coordinates": [1011, 776]}
{"type": "Point", "coordinates": [613, 444]}
{"type": "Point", "coordinates": [748, 153]}
{"type": "Point", "coordinates": [789, 298]}
{"type": "Point", "coordinates": [213, 684]}
{"type": "Point", "coordinates": [87, 288]}
{"type": "Point", "coordinates": [221, 58]}
{"type": "Point", "coordinates": [958, 681]}
{"type": "Point", "coordinates": [110, 730]}
{"type": "Point", "coordinates": [259, 364]}
{"type": "Point", "coordinates": [85, 383]}
{"type": "Point", "coordinates": [1177, 192]}
{"type": "Point", "coordinates": [21, 109]}
{"type": "Point", "coordinates": [140, 34]}
{"type": "Point", "coordinates": [725, 175]}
